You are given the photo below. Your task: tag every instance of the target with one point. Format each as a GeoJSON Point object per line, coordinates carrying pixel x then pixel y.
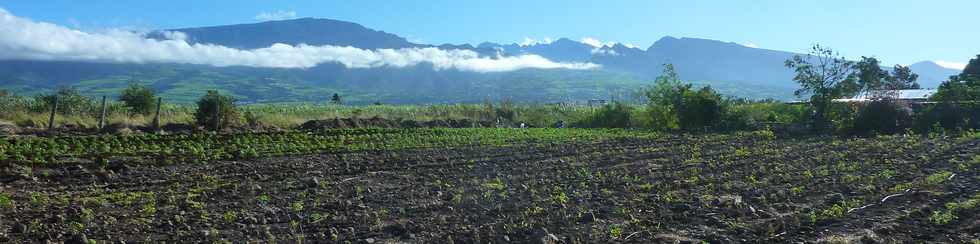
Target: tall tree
{"type": "Point", "coordinates": [870, 75]}
{"type": "Point", "coordinates": [962, 87]}
{"type": "Point", "coordinates": [666, 92]}
{"type": "Point", "coordinates": [335, 99]}
{"type": "Point", "coordinates": [824, 75]}
{"type": "Point", "coordinates": [902, 78]}
{"type": "Point", "coordinates": [972, 70]}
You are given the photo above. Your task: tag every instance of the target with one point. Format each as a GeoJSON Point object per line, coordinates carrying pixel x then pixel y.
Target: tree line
{"type": "Point", "coordinates": [824, 76]}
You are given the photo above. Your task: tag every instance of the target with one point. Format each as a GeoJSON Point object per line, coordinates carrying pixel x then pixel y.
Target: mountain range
{"type": "Point", "coordinates": [731, 68]}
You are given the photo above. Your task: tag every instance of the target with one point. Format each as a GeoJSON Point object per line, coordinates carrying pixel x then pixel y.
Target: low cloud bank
{"type": "Point", "coordinates": [22, 38]}
{"type": "Point", "coordinates": [951, 65]}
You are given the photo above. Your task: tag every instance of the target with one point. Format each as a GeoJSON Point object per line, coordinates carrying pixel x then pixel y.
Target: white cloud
{"type": "Point", "coordinates": [599, 47]}
{"type": "Point", "coordinates": [604, 51]}
{"type": "Point", "coordinates": [752, 45]}
{"type": "Point", "coordinates": [531, 42]}
{"type": "Point", "coordinates": [596, 42]}
{"type": "Point", "coordinates": [951, 65]}
{"type": "Point", "coordinates": [22, 38]}
{"type": "Point", "coordinates": [278, 15]}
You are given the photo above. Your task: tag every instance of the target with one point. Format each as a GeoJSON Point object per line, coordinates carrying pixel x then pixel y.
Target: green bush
{"type": "Point", "coordinates": [213, 101]}
{"type": "Point", "coordinates": [70, 102]}
{"type": "Point", "coordinates": [613, 115]}
{"type": "Point", "coordinates": [881, 117]}
{"type": "Point", "coordinates": [505, 110]}
{"type": "Point", "coordinates": [138, 99]}
{"type": "Point", "coordinates": [948, 116]}
{"type": "Point", "coordinates": [699, 109]}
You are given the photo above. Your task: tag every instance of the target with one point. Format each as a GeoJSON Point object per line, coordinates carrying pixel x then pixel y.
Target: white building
{"type": "Point", "coordinates": [911, 95]}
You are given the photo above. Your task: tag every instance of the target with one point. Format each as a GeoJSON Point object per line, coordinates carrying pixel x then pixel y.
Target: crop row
{"type": "Point", "coordinates": [209, 147]}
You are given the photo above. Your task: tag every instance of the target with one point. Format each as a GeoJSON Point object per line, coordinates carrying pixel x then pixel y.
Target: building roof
{"type": "Point", "coordinates": [910, 94]}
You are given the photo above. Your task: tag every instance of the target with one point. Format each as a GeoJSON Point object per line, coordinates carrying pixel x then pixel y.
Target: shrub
{"type": "Point", "coordinates": [662, 117]}
{"type": "Point", "coordinates": [613, 115]}
{"type": "Point", "coordinates": [673, 104]}
{"type": "Point", "coordinates": [70, 102]}
{"type": "Point", "coordinates": [505, 110]}
{"type": "Point", "coordinates": [139, 99]}
{"type": "Point", "coordinates": [881, 117]}
{"type": "Point", "coordinates": [225, 105]}
{"type": "Point", "coordinates": [699, 109]}
{"type": "Point", "coordinates": [949, 116]}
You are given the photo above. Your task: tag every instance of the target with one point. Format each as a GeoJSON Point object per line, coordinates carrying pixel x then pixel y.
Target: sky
{"type": "Point", "coordinates": [894, 31]}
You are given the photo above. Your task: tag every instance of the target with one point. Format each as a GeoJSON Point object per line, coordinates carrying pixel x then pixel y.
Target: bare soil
{"type": "Point", "coordinates": [632, 190]}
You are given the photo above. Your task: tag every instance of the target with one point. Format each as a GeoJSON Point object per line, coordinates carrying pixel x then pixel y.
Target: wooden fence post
{"type": "Point", "coordinates": [54, 109]}
{"type": "Point", "coordinates": [156, 118]}
{"type": "Point", "coordinates": [102, 117]}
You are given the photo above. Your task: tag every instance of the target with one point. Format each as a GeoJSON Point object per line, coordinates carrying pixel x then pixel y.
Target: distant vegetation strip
{"type": "Point", "coordinates": [165, 149]}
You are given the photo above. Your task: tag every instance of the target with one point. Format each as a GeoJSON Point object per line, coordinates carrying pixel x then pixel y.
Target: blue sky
{"type": "Point", "coordinates": [895, 31]}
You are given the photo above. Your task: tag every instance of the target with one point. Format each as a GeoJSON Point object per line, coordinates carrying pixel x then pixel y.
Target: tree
{"type": "Point", "coordinates": [139, 99]}
{"type": "Point", "coordinates": [673, 104]}
{"type": "Point", "coordinates": [336, 99]}
{"type": "Point", "coordinates": [958, 97]}
{"type": "Point", "coordinates": [902, 78]}
{"type": "Point", "coordinates": [4, 93]}
{"type": "Point", "coordinates": [824, 75]}
{"type": "Point", "coordinates": [871, 78]}
{"type": "Point", "coordinates": [962, 87]}
{"type": "Point", "coordinates": [972, 70]}
{"type": "Point", "coordinates": [699, 109]}
{"type": "Point", "coordinates": [211, 102]}
{"type": "Point", "coordinates": [666, 91]}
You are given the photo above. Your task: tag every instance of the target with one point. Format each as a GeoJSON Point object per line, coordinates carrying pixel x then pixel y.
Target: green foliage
{"type": "Point", "coordinates": [959, 101]}
{"type": "Point", "coordinates": [879, 83]}
{"type": "Point", "coordinates": [870, 76]}
{"type": "Point", "coordinates": [764, 134]}
{"type": "Point", "coordinates": [824, 75]}
{"type": "Point", "coordinates": [139, 99]}
{"type": "Point", "coordinates": [881, 117]}
{"type": "Point", "coordinates": [699, 109]}
{"type": "Point", "coordinates": [949, 213]}
{"type": "Point", "coordinates": [963, 87]}
{"type": "Point", "coordinates": [613, 115]}
{"type": "Point", "coordinates": [948, 116]}
{"type": "Point", "coordinates": [938, 178]}
{"type": "Point", "coordinates": [208, 147]}
{"type": "Point", "coordinates": [505, 110]}
{"type": "Point", "coordinates": [226, 115]}
{"type": "Point", "coordinates": [903, 78]}
{"type": "Point", "coordinates": [6, 202]}
{"type": "Point", "coordinates": [840, 208]}
{"type": "Point", "coordinates": [667, 91]}
{"type": "Point", "coordinates": [672, 104]}
{"type": "Point", "coordinates": [940, 217]}
{"type": "Point", "coordinates": [70, 102]}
